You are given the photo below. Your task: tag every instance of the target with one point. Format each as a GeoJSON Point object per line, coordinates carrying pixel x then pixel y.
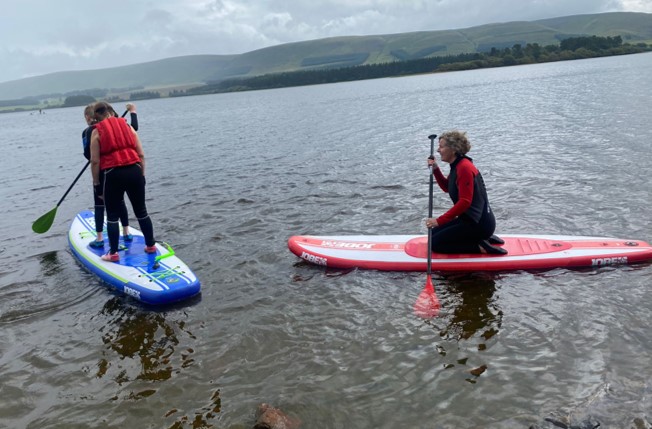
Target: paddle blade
{"type": "Point", "coordinates": [44, 223]}
{"type": "Point", "coordinates": [427, 305]}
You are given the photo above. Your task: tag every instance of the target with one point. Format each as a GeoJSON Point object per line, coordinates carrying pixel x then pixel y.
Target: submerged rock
{"type": "Point", "coordinates": [268, 417]}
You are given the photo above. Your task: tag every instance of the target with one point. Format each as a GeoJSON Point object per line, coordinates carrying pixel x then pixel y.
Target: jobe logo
{"type": "Point", "coordinates": [598, 262]}
{"type": "Point", "coordinates": [318, 260]}
{"type": "Point", "coordinates": [132, 292]}
{"type": "Point", "coordinates": [345, 245]}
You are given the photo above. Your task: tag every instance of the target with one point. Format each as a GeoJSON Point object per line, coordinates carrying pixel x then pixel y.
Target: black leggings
{"type": "Point", "coordinates": [117, 181]}
{"type": "Point", "coordinates": [462, 235]}
{"type": "Point", "coordinates": [99, 209]}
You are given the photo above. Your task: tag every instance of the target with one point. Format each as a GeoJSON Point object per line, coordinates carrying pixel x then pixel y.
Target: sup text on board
{"type": "Point", "coordinates": [599, 262]}
{"type": "Point", "coordinates": [345, 245]}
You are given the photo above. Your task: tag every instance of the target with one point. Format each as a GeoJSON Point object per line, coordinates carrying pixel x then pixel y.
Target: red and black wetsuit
{"type": "Point", "coordinates": [470, 220]}
{"type": "Point", "coordinates": [122, 173]}
{"type": "Point", "coordinates": [99, 202]}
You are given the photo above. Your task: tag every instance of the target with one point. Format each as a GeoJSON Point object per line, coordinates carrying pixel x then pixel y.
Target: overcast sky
{"type": "Point", "coordinates": [44, 36]}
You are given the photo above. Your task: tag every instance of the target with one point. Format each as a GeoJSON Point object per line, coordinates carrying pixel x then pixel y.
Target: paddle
{"type": "Point", "coordinates": [44, 223]}
{"type": "Point", "coordinates": [427, 304]}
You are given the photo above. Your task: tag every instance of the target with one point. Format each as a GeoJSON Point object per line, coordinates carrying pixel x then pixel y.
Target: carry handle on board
{"type": "Point", "coordinates": [163, 256]}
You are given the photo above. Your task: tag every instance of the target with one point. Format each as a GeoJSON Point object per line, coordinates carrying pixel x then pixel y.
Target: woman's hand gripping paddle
{"type": "Point", "coordinates": [44, 223]}
{"type": "Point", "coordinates": [427, 305]}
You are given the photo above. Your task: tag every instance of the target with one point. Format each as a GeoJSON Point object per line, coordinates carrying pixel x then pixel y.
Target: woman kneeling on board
{"type": "Point", "coordinates": [468, 226]}
{"type": "Point", "coordinates": [116, 150]}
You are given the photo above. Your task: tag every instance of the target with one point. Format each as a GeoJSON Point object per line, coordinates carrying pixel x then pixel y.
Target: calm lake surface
{"type": "Point", "coordinates": [564, 149]}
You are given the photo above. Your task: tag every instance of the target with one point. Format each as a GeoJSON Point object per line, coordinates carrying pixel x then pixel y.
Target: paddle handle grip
{"type": "Point", "coordinates": [432, 138]}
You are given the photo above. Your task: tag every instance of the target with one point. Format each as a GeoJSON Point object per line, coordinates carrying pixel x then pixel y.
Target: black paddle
{"type": "Point", "coordinates": [44, 223]}
{"type": "Point", "coordinates": [427, 304]}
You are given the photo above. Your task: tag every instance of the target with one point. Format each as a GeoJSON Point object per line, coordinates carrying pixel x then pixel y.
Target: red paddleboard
{"type": "Point", "coordinates": [525, 252]}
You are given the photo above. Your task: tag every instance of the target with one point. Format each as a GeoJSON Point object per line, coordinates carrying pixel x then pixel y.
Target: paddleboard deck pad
{"type": "Point", "coordinates": [160, 278]}
{"type": "Point", "coordinates": [525, 252]}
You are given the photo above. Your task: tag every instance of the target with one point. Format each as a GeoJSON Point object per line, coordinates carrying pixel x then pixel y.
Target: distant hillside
{"type": "Point", "coordinates": [167, 72]}
{"type": "Point", "coordinates": [333, 52]}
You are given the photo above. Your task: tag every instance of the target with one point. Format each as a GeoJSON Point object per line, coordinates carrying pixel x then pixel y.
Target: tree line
{"type": "Point", "coordinates": [72, 98]}
{"type": "Point", "coordinates": [568, 49]}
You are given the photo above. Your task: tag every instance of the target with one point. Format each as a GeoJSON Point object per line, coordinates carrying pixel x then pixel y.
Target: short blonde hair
{"type": "Point", "coordinates": [89, 110]}
{"type": "Point", "coordinates": [457, 141]}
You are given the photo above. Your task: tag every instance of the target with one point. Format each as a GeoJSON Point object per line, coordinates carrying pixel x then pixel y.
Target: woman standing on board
{"type": "Point", "coordinates": [98, 243]}
{"type": "Point", "coordinates": [468, 226]}
{"type": "Point", "coordinates": [117, 152]}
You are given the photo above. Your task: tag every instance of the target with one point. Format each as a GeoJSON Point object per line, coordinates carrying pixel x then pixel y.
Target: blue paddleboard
{"type": "Point", "coordinates": [160, 278]}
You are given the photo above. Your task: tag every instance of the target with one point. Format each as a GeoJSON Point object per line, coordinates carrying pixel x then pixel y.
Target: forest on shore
{"type": "Point", "coordinates": [573, 48]}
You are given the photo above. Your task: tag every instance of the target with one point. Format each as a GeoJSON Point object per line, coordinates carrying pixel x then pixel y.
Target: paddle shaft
{"type": "Point", "coordinates": [432, 138]}
{"type": "Point", "coordinates": [427, 305]}
{"type": "Point", "coordinates": [73, 182]}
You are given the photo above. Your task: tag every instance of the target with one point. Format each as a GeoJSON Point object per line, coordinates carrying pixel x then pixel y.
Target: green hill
{"type": "Point", "coordinates": [333, 52]}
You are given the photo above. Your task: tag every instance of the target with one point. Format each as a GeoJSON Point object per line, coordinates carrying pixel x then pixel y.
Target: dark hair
{"type": "Point", "coordinates": [103, 110]}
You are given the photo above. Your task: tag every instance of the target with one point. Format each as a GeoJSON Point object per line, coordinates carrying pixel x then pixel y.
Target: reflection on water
{"type": "Point", "coordinates": [145, 343]}
{"type": "Point", "coordinates": [200, 418]}
{"type": "Point", "coordinates": [471, 319]}
{"type": "Point", "coordinates": [476, 309]}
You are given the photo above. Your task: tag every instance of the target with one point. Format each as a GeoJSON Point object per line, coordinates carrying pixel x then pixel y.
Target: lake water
{"type": "Point", "coordinates": [564, 149]}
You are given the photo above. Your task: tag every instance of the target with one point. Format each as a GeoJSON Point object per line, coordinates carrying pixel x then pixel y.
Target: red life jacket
{"type": "Point", "coordinates": [117, 143]}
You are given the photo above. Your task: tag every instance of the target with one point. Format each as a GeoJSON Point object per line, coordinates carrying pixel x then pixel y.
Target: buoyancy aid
{"type": "Point", "coordinates": [117, 143]}
{"type": "Point", "coordinates": [480, 202]}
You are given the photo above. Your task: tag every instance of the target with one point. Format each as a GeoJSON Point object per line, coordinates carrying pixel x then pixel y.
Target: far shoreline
{"type": "Point", "coordinates": [568, 50]}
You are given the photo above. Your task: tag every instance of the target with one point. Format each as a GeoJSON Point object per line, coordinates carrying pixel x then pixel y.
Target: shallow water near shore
{"type": "Point", "coordinates": [563, 148]}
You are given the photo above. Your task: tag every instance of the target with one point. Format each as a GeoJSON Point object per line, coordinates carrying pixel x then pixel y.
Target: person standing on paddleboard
{"type": "Point", "coordinates": [469, 225]}
{"type": "Point", "coordinates": [99, 203]}
{"type": "Point", "coordinates": [117, 151]}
